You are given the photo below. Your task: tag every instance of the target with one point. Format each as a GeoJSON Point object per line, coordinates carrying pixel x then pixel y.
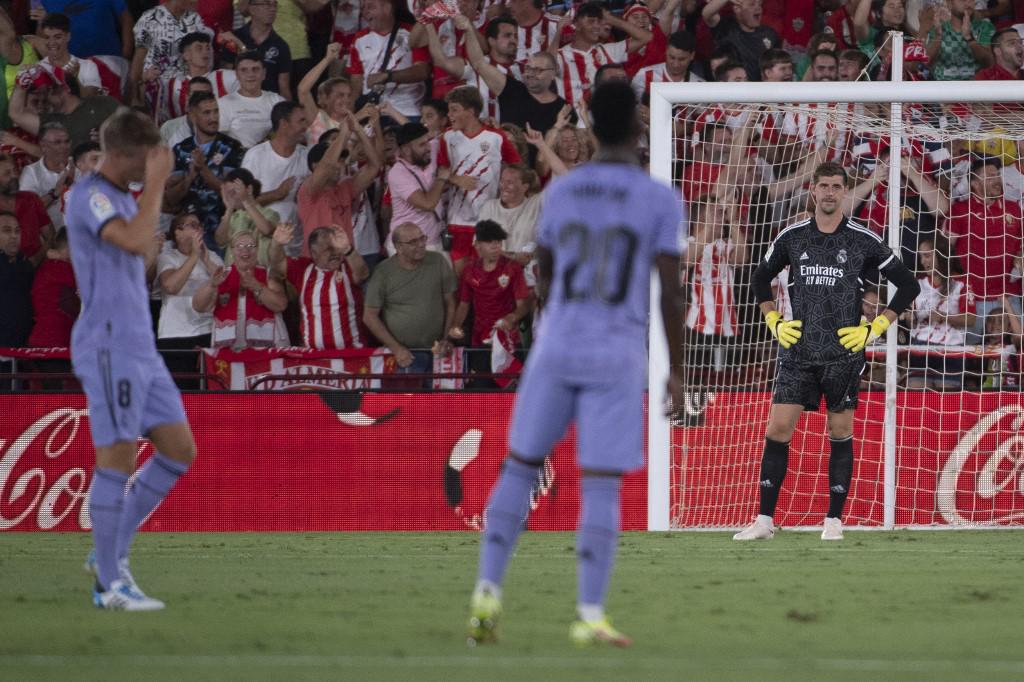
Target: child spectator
{"type": "Point", "coordinates": [495, 287]}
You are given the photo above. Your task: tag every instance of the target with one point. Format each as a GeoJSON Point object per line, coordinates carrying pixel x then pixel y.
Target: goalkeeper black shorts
{"type": "Point", "coordinates": [800, 383]}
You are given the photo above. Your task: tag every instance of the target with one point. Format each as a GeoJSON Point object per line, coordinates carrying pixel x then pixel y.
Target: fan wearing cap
{"type": "Point", "coordinates": [81, 116]}
{"type": "Point", "coordinates": [327, 196]}
{"type": "Point", "coordinates": [639, 15]}
{"type": "Point", "coordinates": [416, 185]}
{"type": "Point", "coordinates": [495, 287]}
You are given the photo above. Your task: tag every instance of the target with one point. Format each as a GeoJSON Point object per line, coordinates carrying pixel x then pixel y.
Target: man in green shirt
{"type": "Point", "coordinates": [81, 117]}
{"type": "Point", "coordinates": [410, 301]}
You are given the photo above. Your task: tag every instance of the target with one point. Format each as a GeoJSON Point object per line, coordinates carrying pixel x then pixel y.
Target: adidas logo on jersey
{"type": "Point", "coordinates": [804, 256]}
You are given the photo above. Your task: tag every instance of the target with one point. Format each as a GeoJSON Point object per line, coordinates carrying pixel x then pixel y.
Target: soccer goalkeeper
{"type": "Point", "coordinates": [823, 346]}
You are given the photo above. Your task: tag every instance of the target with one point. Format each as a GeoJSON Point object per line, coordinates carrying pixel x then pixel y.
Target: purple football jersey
{"type": "Point", "coordinates": [111, 281]}
{"type": "Point", "coordinates": [605, 223]}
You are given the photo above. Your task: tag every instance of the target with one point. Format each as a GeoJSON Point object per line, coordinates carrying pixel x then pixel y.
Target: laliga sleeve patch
{"type": "Point", "coordinates": [101, 208]}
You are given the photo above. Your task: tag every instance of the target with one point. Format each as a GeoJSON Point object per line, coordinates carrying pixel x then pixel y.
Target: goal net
{"type": "Point", "coordinates": [936, 439]}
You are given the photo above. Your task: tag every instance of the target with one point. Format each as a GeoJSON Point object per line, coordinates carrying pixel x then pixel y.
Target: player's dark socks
{"type": "Point", "coordinates": [774, 461]}
{"type": "Point", "coordinates": [155, 479]}
{"type": "Point", "coordinates": [840, 473]}
{"type": "Point", "coordinates": [597, 538]}
{"type": "Point", "coordinates": [106, 503]}
{"type": "Point", "coordinates": [506, 511]}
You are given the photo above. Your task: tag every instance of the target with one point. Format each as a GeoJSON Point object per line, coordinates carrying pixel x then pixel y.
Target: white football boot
{"type": "Point", "coordinates": [833, 529]}
{"type": "Point", "coordinates": [760, 529]}
{"type": "Point", "coordinates": [124, 597]}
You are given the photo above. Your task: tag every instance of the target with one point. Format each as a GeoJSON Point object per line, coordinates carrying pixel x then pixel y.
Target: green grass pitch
{"type": "Point", "coordinates": [366, 606]}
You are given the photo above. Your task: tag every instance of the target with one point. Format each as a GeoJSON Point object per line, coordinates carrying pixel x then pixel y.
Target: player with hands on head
{"type": "Point", "coordinates": [128, 389]}
{"type": "Point", "coordinates": [828, 255]}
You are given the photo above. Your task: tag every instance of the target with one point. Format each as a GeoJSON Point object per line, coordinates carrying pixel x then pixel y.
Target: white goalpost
{"type": "Point", "coordinates": [936, 427]}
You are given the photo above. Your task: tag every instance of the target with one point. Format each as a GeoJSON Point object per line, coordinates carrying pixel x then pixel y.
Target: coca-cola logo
{"type": "Point", "coordinates": [996, 493]}
{"type": "Point", "coordinates": [28, 492]}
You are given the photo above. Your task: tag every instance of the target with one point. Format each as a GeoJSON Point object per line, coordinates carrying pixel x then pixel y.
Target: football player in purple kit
{"type": "Point", "coordinates": [602, 229]}
{"type": "Point", "coordinates": [127, 386]}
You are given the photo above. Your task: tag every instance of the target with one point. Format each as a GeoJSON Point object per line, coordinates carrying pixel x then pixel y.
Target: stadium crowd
{"type": "Point", "coordinates": [351, 174]}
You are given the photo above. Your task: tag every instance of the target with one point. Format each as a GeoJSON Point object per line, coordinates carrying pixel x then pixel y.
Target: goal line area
{"type": "Point", "coordinates": [934, 171]}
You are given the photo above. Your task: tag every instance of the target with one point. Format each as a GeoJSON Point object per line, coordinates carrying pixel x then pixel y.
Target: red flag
{"type": "Point", "coordinates": [503, 359]}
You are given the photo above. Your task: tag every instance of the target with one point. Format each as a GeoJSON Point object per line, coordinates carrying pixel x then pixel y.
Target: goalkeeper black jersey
{"type": "Point", "coordinates": [826, 284]}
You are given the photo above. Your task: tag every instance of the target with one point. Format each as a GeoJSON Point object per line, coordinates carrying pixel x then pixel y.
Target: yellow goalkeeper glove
{"type": "Point", "coordinates": [787, 332]}
{"type": "Point", "coordinates": [855, 338]}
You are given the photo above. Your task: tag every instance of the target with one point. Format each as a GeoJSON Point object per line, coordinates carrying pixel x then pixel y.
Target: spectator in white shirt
{"type": "Point", "coordinates": [179, 278]}
{"type": "Point", "coordinates": [516, 209]}
{"type": "Point", "coordinates": [179, 129]}
{"type": "Point", "coordinates": [183, 266]}
{"type": "Point", "coordinates": [245, 115]}
{"type": "Point", "coordinates": [55, 34]}
{"type": "Point", "coordinates": [280, 163]}
{"type": "Point", "coordinates": [394, 75]}
{"type": "Point", "coordinates": [52, 173]}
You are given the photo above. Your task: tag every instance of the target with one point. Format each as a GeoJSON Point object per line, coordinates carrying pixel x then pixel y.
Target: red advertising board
{"type": "Point", "coordinates": [338, 461]}
{"type": "Point", "coordinates": [297, 462]}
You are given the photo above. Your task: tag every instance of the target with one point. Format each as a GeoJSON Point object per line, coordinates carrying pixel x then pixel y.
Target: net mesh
{"type": "Point", "coordinates": [745, 173]}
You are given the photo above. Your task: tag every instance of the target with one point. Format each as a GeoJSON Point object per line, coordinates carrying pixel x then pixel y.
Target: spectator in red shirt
{"type": "Point", "coordinates": [1008, 54]}
{"type": "Point", "coordinates": [330, 300]}
{"type": "Point", "coordinates": [653, 52]}
{"type": "Point", "coordinates": [496, 288]}
{"type": "Point", "coordinates": [55, 304]}
{"type": "Point", "coordinates": [988, 237]}
{"type": "Point", "coordinates": [36, 228]}
{"type": "Point", "coordinates": [55, 301]}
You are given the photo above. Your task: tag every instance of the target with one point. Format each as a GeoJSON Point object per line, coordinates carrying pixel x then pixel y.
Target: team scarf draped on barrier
{"type": "Point", "coordinates": [292, 368]}
{"type": "Point", "coordinates": [274, 369]}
